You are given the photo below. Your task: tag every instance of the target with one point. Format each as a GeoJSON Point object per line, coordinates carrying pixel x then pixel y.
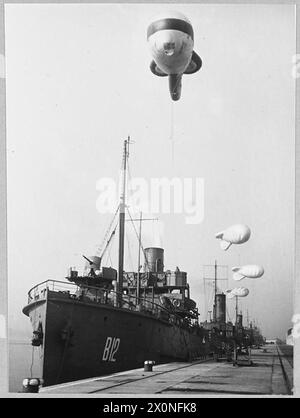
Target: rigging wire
{"type": "Point", "coordinates": [153, 231]}
{"type": "Point", "coordinates": [129, 189]}
{"type": "Point", "coordinates": [32, 361]}
{"type": "Point", "coordinates": [132, 222]}
{"type": "Point", "coordinates": [172, 132]}
{"type": "Point", "coordinates": [138, 238]}
{"type": "Point", "coordinates": [109, 256]}
{"type": "Point", "coordinates": [108, 259]}
{"type": "Point", "coordinates": [211, 299]}
{"type": "Point", "coordinates": [129, 253]}
{"type": "Point", "coordinates": [106, 236]}
{"type": "Point", "coordinates": [110, 242]}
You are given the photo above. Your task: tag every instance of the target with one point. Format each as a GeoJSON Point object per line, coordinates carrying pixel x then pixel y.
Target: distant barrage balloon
{"type": "Point", "coordinates": [240, 292]}
{"type": "Point", "coordinates": [228, 293]}
{"type": "Point", "coordinates": [235, 234]}
{"type": "Point", "coordinates": [252, 271]}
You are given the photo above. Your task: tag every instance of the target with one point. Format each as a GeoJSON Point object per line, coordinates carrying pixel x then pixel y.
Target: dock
{"type": "Point", "coordinates": [270, 374]}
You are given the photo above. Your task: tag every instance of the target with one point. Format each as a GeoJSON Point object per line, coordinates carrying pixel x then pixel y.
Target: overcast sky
{"type": "Point", "coordinates": [78, 82]}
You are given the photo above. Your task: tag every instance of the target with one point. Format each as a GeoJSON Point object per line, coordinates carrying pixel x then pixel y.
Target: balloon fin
{"type": "Point", "coordinates": [225, 245]}
{"type": "Point", "coordinates": [194, 65]}
{"type": "Point", "coordinates": [156, 70]}
{"type": "Point", "coordinates": [238, 276]}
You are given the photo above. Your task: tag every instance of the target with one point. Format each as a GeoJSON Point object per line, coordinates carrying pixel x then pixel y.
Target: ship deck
{"type": "Point", "coordinates": [270, 374]}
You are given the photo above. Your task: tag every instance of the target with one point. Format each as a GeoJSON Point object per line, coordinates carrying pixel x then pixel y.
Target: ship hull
{"type": "Point", "coordinates": [83, 340]}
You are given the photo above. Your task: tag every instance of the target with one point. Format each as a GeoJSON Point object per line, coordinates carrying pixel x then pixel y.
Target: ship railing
{"type": "Point", "coordinates": [39, 291]}
{"type": "Point", "coordinates": [147, 306]}
{"type": "Point", "coordinates": [132, 303]}
{"type": "Point", "coordinates": [105, 297]}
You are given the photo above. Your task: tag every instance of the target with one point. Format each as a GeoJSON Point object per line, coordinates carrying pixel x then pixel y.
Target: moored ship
{"type": "Point", "coordinates": [224, 336]}
{"type": "Point", "coordinates": [108, 320]}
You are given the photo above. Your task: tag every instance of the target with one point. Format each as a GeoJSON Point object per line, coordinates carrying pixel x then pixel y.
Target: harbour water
{"type": "Point", "coordinates": [20, 361]}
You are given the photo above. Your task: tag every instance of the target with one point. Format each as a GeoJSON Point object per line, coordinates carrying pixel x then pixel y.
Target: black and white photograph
{"type": "Point", "coordinates": [149, 170]}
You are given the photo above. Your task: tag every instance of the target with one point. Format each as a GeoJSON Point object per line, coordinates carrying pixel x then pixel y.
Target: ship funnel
{"type": "Point", "coordinates": [239, 320]}
{"type": "Point", "coordinates": [220, 308]}
{"type": "Point", "coordinates": [154, 262]}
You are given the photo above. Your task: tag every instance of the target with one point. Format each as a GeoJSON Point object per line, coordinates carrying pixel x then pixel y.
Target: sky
{"type": "Point", "coordinates": [78, 83]}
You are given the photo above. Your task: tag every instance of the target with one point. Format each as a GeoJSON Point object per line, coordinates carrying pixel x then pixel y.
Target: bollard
{"type": "Point", "coordinates": [31, 385]}
{"type": "Point", "coordinates": [148, 365]}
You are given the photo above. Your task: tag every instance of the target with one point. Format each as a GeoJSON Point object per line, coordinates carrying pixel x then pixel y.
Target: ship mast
{"type": "Point", "coordinates": [138, 282]}
{"type": "Point", "coordinates": [122, 208]}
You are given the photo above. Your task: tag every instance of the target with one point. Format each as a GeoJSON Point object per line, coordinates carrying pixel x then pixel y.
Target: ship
{"type": "Point", "coordinates": [106, 320]}
{"type": "Point", "coordinates": [227, 337]}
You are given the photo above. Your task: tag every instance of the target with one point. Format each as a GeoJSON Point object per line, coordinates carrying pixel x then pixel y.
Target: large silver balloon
{"type": "Point", "coordinates": [171, 41]}
{"type": "Point", "coordinates": [251, 271]}
{"type": "Point", "coordinates": [235, 234]}
{"type": "Point", "coordinates": [240, 292]}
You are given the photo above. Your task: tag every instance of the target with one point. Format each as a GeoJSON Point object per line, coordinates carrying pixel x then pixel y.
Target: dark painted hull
{"type": "Point", "coordinates": [83, 340]}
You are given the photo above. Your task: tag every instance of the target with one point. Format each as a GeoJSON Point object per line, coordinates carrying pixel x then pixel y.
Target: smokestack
{"type": "Point", "coordinates": [239, 320]}
{"type": "Point", "coordinates": [154, 262]}
{"type": "Point", "coordinates": [220, 308]}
